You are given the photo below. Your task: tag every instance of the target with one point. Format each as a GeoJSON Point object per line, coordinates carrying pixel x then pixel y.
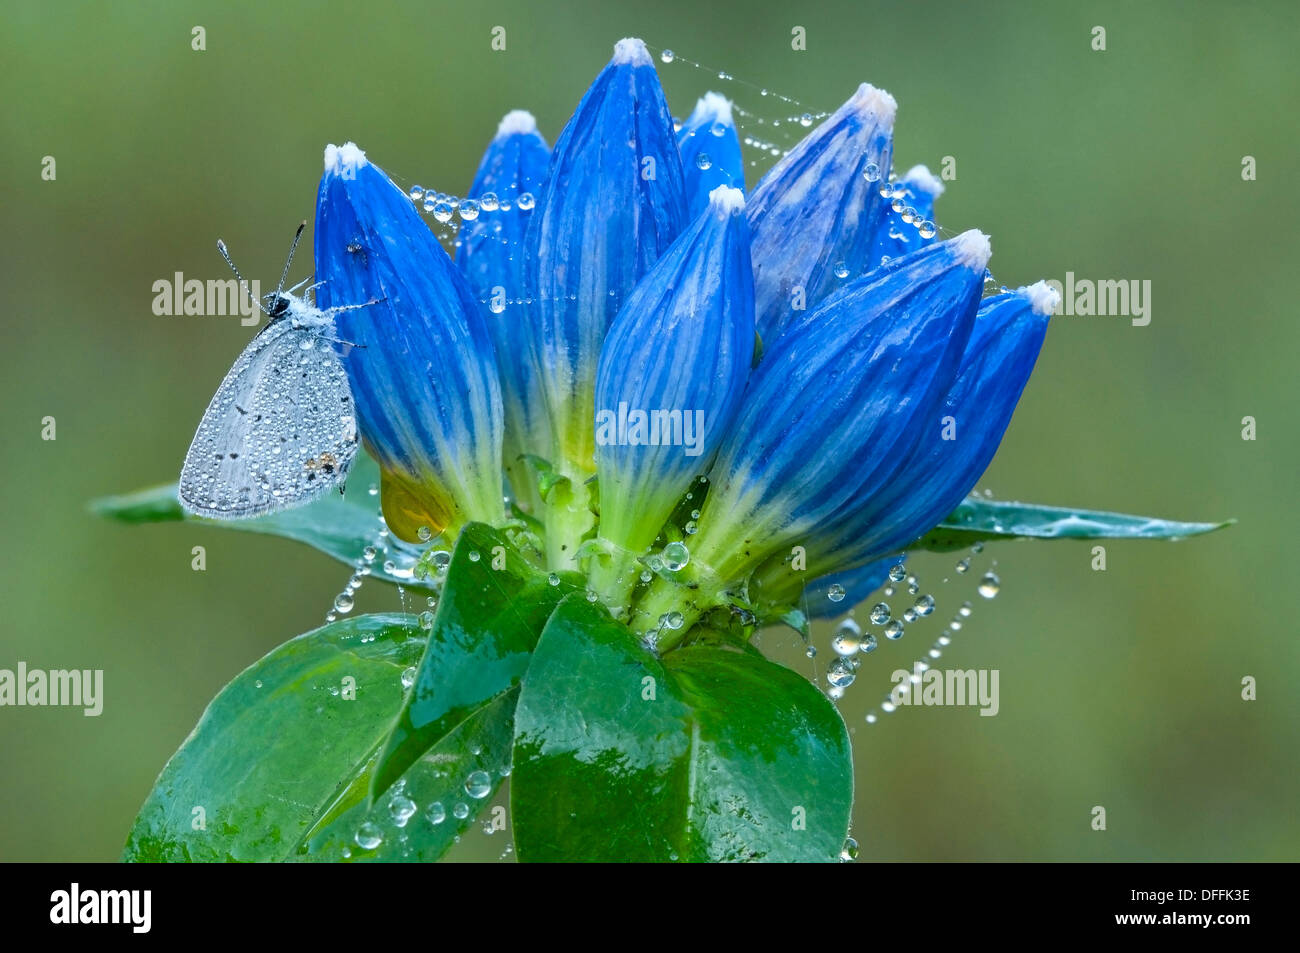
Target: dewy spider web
{"type": "Point", "coordinates": [766, 139]}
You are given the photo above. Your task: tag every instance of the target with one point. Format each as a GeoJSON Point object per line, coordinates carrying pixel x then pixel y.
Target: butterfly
{"type": "Point", "coordinates": [281, 429]}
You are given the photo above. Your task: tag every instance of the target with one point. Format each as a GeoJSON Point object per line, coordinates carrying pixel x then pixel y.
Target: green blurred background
{"type": "Point", "coordinates": [1118, 688]}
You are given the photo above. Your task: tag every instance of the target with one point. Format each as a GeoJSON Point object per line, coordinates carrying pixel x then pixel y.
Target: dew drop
{"type": "Point", "coordinates": [879, 613]}
{"type": "Point", "coordinates": [897, 572]}
{"type": "Point", "coordinates": [474, 556]}
{"type": "Point", "coordinates": [426, 620]}
{"type": "Point", "coordinates": [460, 810]}
{"type": "Point", "coordinates": [805, 120]}
{"type": "Point", "coordinates": [847, 639]}
{"type": "Point", "coordinates": [408, 676]}
{"type": "Point", "coordinates": [667, 56]}
{"type": "Point", "coordinates": [849, 852]}
{"type": "Point", "coordinates": [441, 211]}
{"type": "Point", "coordinates": [526, 201]}
{"type": "Point", "coordinates": [702, 161]}
{"type": "Point", "coordinates": [894, 630]}
{"type": "Point", "coordinates": [369, 836]}
{"type": "Point", "coordinates": [840, 673]}
{"type": "Point", "coordinates": [416, 193]}
{"type": "Point", "coordinates": [835, 593]}
{"type": "Point", "coordinates": [841, 270]}
{"type": "Point", "coordinates": [489, 202]}
{"type": "Point", "coordinates": [478, 785]}
{"type": "Point", "coordinates": [872, 172]}
{"type": "Point", "coordinates": [928, 229]}
{"type": "Point", "coordinates": [553, 579]}
{"type": "Point", "coordinates": [676, 556]}
{"type": "Point", "coordinates": [343, 602]}
{"type": "Point", "coordinates": [990, 585]}
{"type": "Point", "coordinates": [868, 644]}
{"type": "Point", "coordinates": [436, 813]}
{"type": "Point", "coordinates": [424, 534]}
{"type": "Point", "coordinates": [924, 605]}
{"type": "Point", "coordinates": [963, 565]}
{"type": "Point", "coordinates": [400, 809]}
{"type": "Point", "coordinates": [468, 210]}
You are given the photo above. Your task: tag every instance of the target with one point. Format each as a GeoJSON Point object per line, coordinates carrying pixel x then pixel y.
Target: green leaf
{"type": "Point", "coordinates": [493, 607]}
{"type": "Point", "coordinates": [341, 526]}
{"type": "Point", "coordinates": [710, 753]}
{"type": "Point", "coordinates": [979, 520]}
{"type": "Point", "coordinates": [283, 754]}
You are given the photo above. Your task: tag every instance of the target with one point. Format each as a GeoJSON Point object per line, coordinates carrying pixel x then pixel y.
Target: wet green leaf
{"type": "Point", "coordinates": [710, 753]}
{"type": "Point", "coordinates": [281, 758]}
{"type": "Point", "coordinates": [493, 607]}
{"type": "Point", "coordinates": [979, 520]}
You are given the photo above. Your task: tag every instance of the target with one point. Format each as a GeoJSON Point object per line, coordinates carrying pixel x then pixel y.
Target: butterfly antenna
{"type": "Point", "coordinates": [225, 253]}
{"type": "Point", "coordinates": [292, 248]}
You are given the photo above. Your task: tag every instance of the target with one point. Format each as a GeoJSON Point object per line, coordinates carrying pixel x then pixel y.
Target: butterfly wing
{"type": "Point", "coordinates": [280, 430]}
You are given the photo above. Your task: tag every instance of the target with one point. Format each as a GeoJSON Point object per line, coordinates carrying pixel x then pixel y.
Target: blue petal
{"type": "Point", "coordinates": [917, 191]}
{"type": "Point", "coordinates": [710, 148]}
{"type": "Point", "coordinates": [682, 345]}
{"type": "Point", "coordinates": [817, 211]}
{"type": "Point", "coordinates": [491, 256]}
{"type": "Point", "coordinates": [612, 205]}
{"type": "Point", "coordinates": [1004, 345]}
{"type": "Point", "coordinates": [423, 374]}
{"type": "Point", "coordinates": [836, 402]}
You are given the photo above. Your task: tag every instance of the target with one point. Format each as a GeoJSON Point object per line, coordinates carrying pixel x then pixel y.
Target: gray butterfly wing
{"type": "Point", "coordinates": [280, 430]}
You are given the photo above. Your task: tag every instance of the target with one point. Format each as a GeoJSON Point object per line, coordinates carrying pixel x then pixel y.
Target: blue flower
{"type": "Point", "coordinates": [951, 452]}
{"type": "Point", "coordinates": [630, 295]}
{"type": "Point", "coordinates": [422, 370]}
{"type": "Point", "coordinates": [671, 376]}
{"type": "Point", "coordinates": [815, 216]}
{"type": "Point", "coordinates": [710, 149]}
{"type": "Point", "coordinates": [837, 401]}
{"type": "Point", "coordinates": [491, 256]}
{"type": "Point", "coordinates": [613, 203]}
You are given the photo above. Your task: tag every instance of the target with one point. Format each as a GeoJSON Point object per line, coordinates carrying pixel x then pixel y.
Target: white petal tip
{"type": "Point", "coordinates": [345, 158]}
{"type": "Point", "coordinates": [713, 107]}
{"type": "Point", "coordinates": [924, 179]}
{"type": "Point", "coordinates": [1043, 298]}
{"type": "Point", "coordinates": [869, 101]}
{"type": "Point", "coordinates": [631, 51]}
{"type": "Point", "coordinates": [727, 200]}
{"type": "Point", "coordinates": [517, 122]}
{"type": "Point", "coordinates": [972, 249]}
